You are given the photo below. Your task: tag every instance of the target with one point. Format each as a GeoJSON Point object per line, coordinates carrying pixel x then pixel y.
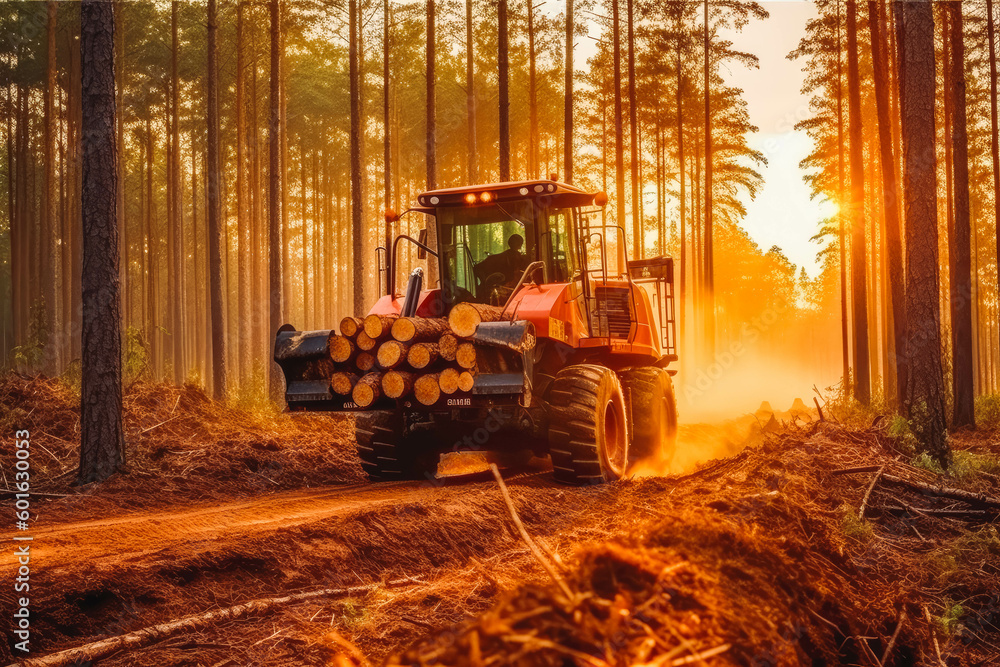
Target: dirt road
{"type": "Point", "coordinates": [96, 578]}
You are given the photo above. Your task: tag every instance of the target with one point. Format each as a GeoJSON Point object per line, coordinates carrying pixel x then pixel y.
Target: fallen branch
{"type": "Point", "coordinates": [969, 515]}
{"type": "Point", "coordinates": [94, 651]}
{"type": "Point", "coordinates": [895, 635]}
{"type": "Point", "coordinates": [856, 471]}
{"type": "Point", "coordinates": [158, 425]}
{"type": "Point", "coordinates": [818, 409]}
{"type": "Point", "coordinates": [535, 551]}
{"type": "Point", "coordinates": [864, 501]}
{"type": "Point", "coordinates": [980, 499]}
{"type": "Point", "coordinates": [937, 646]}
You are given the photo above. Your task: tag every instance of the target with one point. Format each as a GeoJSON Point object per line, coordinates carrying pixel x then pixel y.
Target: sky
{"type": "Point", "coordinates": [782, 214]}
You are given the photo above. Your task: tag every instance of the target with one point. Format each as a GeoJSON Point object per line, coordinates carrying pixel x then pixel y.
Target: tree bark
{"type": "Point", "coordinates": [994, 129]}
{"type": "Point", "coordinates": [274, 245]}
{"type": "Point", "coordinates": [890, 190]}
{"type": "Point", "coordinates": [924, 403]}
{"type": "Point", "coordinates": [50, 211]}
{"type": "Point", "coordinates": [244, 279]}
{"type": "Point", "coordinates": [214, 166]}
{"type": "Point", "coordinates": [177, 207]}
{"type": "Point", "coordinates": [470, 95]}
{"type": "Point", "coordinates": [568, 101]}
{"type": "Point", "coordinates": [619, 134]}
{"type": "Point", "coordinates": [845, 343]}
{"type": "Point", "coordinates": [862, 370]}
{"type": "Point", "coordinates": [633, 115]}
{"type": "Point", "coordinates": [960, 240]}
{"type": "Point", "coordinates": [357, 219]}
{"type": "Point", "coordinates": [533, 140]}
{"type": "Point", "coordinates": [102, 444]}
{"type": "Point", "coordinates": [432, 265]}
{"type": "Point", "coordinates": [502, 72]}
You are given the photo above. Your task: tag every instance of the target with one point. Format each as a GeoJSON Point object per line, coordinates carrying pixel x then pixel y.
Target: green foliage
{"type": "Point", "coordinates": [988, 411]}
{"type": "Point", "coordinates": [949, 564]}
{"type": "Point", "coordinates": [949, 621]}
{"type": "Point", "coordinates": [965, 466]}
{"type": "Point", "coordinates": [853, 527]}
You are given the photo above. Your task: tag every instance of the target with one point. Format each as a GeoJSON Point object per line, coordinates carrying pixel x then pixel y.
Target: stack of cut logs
{"type": "Point", "coordinates": [396, 357]}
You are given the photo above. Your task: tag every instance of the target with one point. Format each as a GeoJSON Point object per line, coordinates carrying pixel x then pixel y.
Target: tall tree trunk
{"type": "Point", "coordinates": [959, 247]}
{"type": "Point", "coordinates": [876, 23]}
{"type": "Point", "coordinates": [709, 261]}
{"type": "Point", "coordinates": [844, 340]}
{"type": "Point", "coordinates": [633, 115]}
{"type": "Point", "coordinates": [568, 98]}
{"type": "Point", "coordinates": [50, 211]}
{"type": "Point", "coordinates": [177, 208]}
{"type": "Point", "coordinates": [502, 73]}
{"type": "Point", "coordinates": [102, 443]}
{"type": "Point", "coordinates": [470, 95]}
{"type": "Point", "coordinates": [533, 140]}
{"type": "Point", "coordinates": [386, 135]}
{"type": "Point", "coordinates": [243, 223]}
{"type": "Point", "coordinates": [214, 166]}
{"type": "Point", "coordinates": [152, 263]}
{"type": "Point", "coordinates": [274, 252]}
{"type": "Point", "coordinates": [619, 134]}
{"type": "Point", "coordinates": [357, 233]}
{"type": "Point", "coordinates": [994, 129]}
{"type": "Point", "coordinates": [683, 196]}
{"type": "Point", "coordinates": [924, 403]}
{"type": "Point", "coordinates": [862, 369]}
{"type": "Point", "coordinates": [432, 265]}
{"type": "Point", "coordinates": [286, 280]}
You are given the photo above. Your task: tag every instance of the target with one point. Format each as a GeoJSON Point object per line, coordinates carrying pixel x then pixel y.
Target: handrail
{"type": "Point", "coordinates": [391, 283]}
{"type": "Point", "coordinates": [528, 270]}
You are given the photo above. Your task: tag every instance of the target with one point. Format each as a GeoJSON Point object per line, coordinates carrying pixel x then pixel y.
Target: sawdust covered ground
{"type": "Point", "coordinates": [757, 558]}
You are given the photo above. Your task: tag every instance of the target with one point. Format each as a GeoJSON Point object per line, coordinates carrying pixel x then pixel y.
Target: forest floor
{"type": "Point", "coordinates": [757, 558]}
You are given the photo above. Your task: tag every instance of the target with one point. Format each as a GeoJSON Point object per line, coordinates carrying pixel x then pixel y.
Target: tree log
{"type": "Point", "coordinates": [342, 383]}
{"type": "Point", "coordinates": [978, 499]}
{"type": "Point", "coordinates": [391, 354]}
{"type": "Point", "coordinates": [378, 326]}
{"type": "Point", "coordinates": [342, 349]}
{"type": "Point", "coordinates": [366, 342]}
{"type": "Point", "coordinates": [448, 380]}
{"type": "Point", "coordinates": [466, 355]}
{"type": "Point", "coordinates": [426, 389]}
{"type": "Point", "coordinates": [448, 346]}
{"type": "Point", "coordinates": [517, 336]}
{"type": "Point", "coordinates": [365, 362]}
{"type": "Point", "coordinates": [367, 390]}
{"type": "Point", "coordinates": [350, 326]}
{"type": "Point", "coordinates": [465, 317]}
{"type": "Point", "coordinates": [396, 384]}
{"type": "Point", "coordinates": [407, 329]}
{"type": "Point", "coordinates": [465, 381]}
{"type": "Point", "coordinates": [422, 355]}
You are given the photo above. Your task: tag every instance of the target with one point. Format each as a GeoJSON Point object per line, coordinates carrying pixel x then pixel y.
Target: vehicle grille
{"type": "Point", "coordinates": [614, 312]}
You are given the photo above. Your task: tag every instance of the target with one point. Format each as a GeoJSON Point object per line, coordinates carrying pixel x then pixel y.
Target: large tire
{"type": "Point", "coordinates": [588, 426]}
{"type": "Point", "coordinates": [388, 452]}
{"type": "Point", "coordinates": [653, 411]}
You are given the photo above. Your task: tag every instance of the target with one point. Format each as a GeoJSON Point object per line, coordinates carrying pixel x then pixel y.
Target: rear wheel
{"type": "Point", "coordinates": [588, 428]}
{"type": "Point", "coordinates": [389, 452]}
{"type": "Point", "coordinates": [653, 410]}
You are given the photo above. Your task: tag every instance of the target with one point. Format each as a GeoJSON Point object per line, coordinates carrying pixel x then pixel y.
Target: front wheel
{"type": "Point", "coordinates": [588, 426]}
{"type": "Point", "coordinates": [388, 452]}
{"type": "Point", "coordinates": [653, 408]}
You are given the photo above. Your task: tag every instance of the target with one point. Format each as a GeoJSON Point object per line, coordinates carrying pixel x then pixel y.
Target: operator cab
{"type": "Point", "coordinates": [489, 235]}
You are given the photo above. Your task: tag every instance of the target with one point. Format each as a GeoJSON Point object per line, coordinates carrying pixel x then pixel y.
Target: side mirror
{"type": "Point", "coordinates": [422, 237]}
{"type": "Point", "coordinates": [391, 216]}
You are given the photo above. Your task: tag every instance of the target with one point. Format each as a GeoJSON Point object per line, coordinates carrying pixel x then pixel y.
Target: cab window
{"type": "Point", "coordinates": [560, 246]}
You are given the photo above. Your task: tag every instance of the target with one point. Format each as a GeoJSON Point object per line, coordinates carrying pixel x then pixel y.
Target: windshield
{"type": "Point", "coordinates": [486, 248]}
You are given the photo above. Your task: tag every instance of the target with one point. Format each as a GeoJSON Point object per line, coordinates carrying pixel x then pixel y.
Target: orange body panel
{"type": "Point", "coordinates": [553, 309]}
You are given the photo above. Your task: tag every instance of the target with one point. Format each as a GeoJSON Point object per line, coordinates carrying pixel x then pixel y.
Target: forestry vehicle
{"type": "Point", "coordinates": [539, 338]}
